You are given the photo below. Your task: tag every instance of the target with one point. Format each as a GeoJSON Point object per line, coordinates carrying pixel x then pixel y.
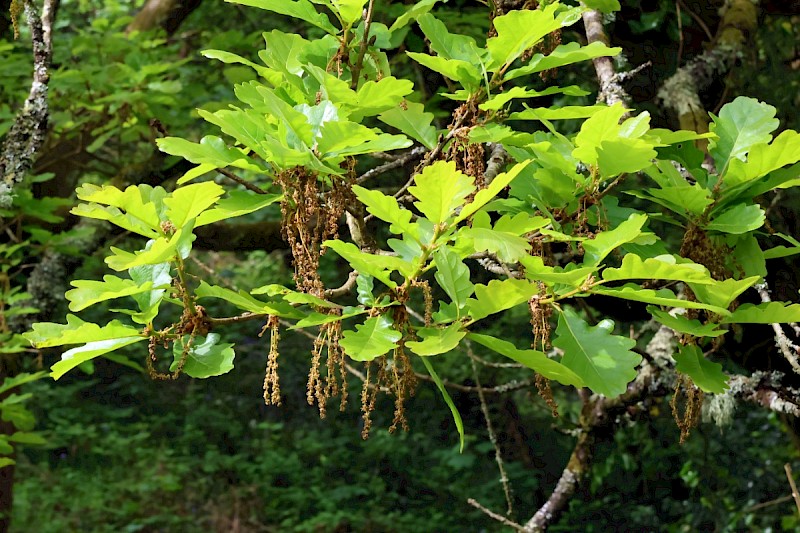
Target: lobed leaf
{"type": "Point", "coordinates": [453, 276]}
{"type": "Point", "coordinates": [704, 373]}
{"type": "Point", "coordinates": [87, 293]}
{"type": "Point", "coordinates": [447, 399]}
{"type": "Point", "coordinates": [764, 313]}
{"type": "Point", "coordinates": [206, 357]}
{"type": "Point", "coordinates": [533, 359]}
{"type": "Point", "coordinates": [740, 125]}
{"type": "Point", "coordinates": [602, 360]}
{"type": "Point", "coordinates": [440, 189]}
{"type": "Point", "coordinates": [437, 341]}
{"type": "Point", "coordinates": [373, 338]}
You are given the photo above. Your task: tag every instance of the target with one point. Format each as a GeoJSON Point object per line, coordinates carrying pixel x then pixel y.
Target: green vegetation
{"type": "Point", "coordinates": [415, 215]}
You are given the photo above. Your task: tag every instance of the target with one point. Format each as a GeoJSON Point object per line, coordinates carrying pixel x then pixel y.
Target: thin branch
{"type": "Point", "coordinates": [415, 153]}
{"type": "Point", "coordinates": [356, 72]}
{"type": "Point", "coordinates": [781, 340]}
{"type": "Point", "coordinates": [500, 518]}
{"type": "Point", "coordinates": [246, 184]}
{"type": "Point", "coordinates": [346, 287]}
{"type": "Point", "coordinates": [795, 494]}
{"type": "Point", "coordinates": [498, 456]}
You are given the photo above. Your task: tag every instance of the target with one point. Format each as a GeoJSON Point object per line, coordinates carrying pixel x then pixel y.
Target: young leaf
{"type": "Point", "coordinates": [237, 203]}
{"type": "Point", "coordinates": [508, 247]}
{"type": "Point", "coordinates": [682, 324]}
{"type": "Point", "coordinates": [436, 341]}
{"type": "Point", "coordinates": [349, 10]}
{"type": "Point", "coordinates": [246, 302]}
{"type": "Point", "coordinates": [448, 45]}
{"type": "Point", "coordinates": [498, 296]}
{"type": "Point", "coordinates": [386, 208]}
{"type": "Point", "coordinates": [185, 203]}
{"type": "Point", "coordinates": [740, 125]}
{"type": "Point", "coordinates": [604, 242]}
{"type": "Point", "coordinates": [564, 54]}
{"type": "Point", "coordinates": [620, 156]}
{"type": "Point", "coordinates": [765, 158]}
{"type": "Point", "coordinates": [606, 6]}
{"type": "Point", "coordinates": [447, 399]}
{"type": "Point", "coordinates": [533, 359]}
{"type": "Point", "coordinates": [518, 31]}
{"type": "Point", "coordinates": [722, 293]}
{"type": "Point", "coordinates": [536, 270]}
{"type": "Point", "coordinates": [160, 250]}
{"type": "Point", "coordinates": [465, 73]}
{"type": "Point", "coordinates": [440, 189]}
{"type": "Point", "coordinates": [738, 219]}
{"type": "Point", "coordinates": [77, 356]}
{"type": "Point", "coordinates": [412, 120]}
{"type": "Point", "coordinates": [704, 373]}
{"type": "Point", "coordinates": [364, 286]}
{"type": "Point", "coordinates": [88, 292]}
{"type": "Point", "coordinates": [206, 357]}
{"type": "Point", "coordinates": [371, 339]}
{"type": "Point", "coordinates": [484, 196]}
{"type": "Point", "coordinates": [453, 276]}
{"type": "Point", "coordinates": [764, 313]}
{"type": "Point", "coordinates": [661, 267]}
{"type": "Point", "coordinates": [666, 297]}
{"type": "Point", "coordinates": [377, 266]}
{"type": "Point", "coordinates": [20, 379]}
{"type": "Point", "coordinates": [378, 96]}
{"type": "Point", "coordinates": [604, 361]}
{"type": "Point", "coordinates": [76, 331]}
{"type": "Point", "coordinates": [602, 126]}
{"type": "Point", "coordinates": [317, 319]}
{"type": "Point", "coordinates": [301, 9]}
{"type": "Point", "coordinates": [418, 9]}
{"type": "Point", "coordinates": [211, 151]}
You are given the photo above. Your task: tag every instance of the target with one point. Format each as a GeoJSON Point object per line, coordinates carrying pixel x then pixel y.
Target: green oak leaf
{"type": "Point", "coordinates": [740, 125]}
{"type": "Point", "coordinates": [87, 293]}
{"type": "Point", "coordinates": [412, 120]}
{"type": "Point", "coordinates": [436, 341]}
{"type": "Point", "coordinates": [447, 399]}
{"type": "Point", "coordinates": [453, 276]}
{"type": "Point", "coordinates": [300, 9]}
{"type": "Point", "coordinates": [682, 324]}
{"type": "Point", "coordinates": [387, 209]}
{"type": "Point", "coordinates": [606, 241]}
{"type": "Point", "coordinates": [236, 204]}
{"type": "Point", "coordinates": [722, 293]}
{"type": "Point", "coordinates": [77, 356]}
{"type": "Point", "coordinates": [206, 357]}
{"type": "Point", "coordinates": [602, 360]}
{"type": "Point", "coordinates": [533, 359]}
{"type": "Point", "coordinates": [185, 203]}
{"type": "Point", "coordinates": [440, 189]}
{"type": "Point", "coordinates": [665, 297]}
{"type": "Point", "coordinates": [498, 296]}
{"type": "Point", "coordinates": [373, 338]}
{"type": "Point", "coordinates": [704, 373]}
{"type": "Point", "coordinates": [244, 301]}
{"type": "Point", "coordinates": [764, 313]}
{"type": "Point", "coordinates": [738, 219]}
{"type": "Point", "coordinates": [76, 331]}
{"type": "Point", "coordinates": [659, 267]}
{"type": "Point", "coordinates": [378, 266]}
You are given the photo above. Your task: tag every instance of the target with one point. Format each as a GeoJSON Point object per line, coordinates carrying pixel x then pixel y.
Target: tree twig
{"type": "Point", "coordinates": [795, 494]}
{"type": "Point", "coordinates": [500, 518]}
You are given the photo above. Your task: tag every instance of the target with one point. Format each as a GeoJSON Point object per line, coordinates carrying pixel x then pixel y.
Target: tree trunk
{"type": "Point", "coordinates": [167, 14]}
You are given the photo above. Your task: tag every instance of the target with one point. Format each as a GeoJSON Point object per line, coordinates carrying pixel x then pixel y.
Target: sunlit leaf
{"type": "Point", "coordinates": [499, 295]}
{"type": "Point", "coordinates": [186, 202]}
{"type": "Point", "coordinates": [533, 359]}
{"type": "Point", "coordinates": [76, 331]}
{"type": "Point", "coordinates": [386, 208]}
{"type": "Point", "coordinates": [764, 313]}
{"type": "Point", "coordinates": [564, 54]}
{"type": "Point", "coordinates": [301, 9]}
{"type": "Point", "coordinates": [87, 292]}
{"type": "Point", "coordinates": [484, 196]}
{"type": "Point", "coordinates": [602, 360]}
{"type": "Point", "coordinates": [76, 356]}
{"type": "Point", "coordinates": [206, 357]}
{"type": "Point", "coordinates": [447, 399]}
{"type": "Point", "coordinates": [666, 297]}
{"type": "Point", "coordinates": [436, 341]}
{"type": "Point", "coordinates": [378, 266]}
{"type": "Point", "coordinates": [371, 339]}
{"type": "Point", "coordinates": [440, 189]}
{"type": "Point", "coordinates": [606, 241]}
{"type": "Point", "coordinates": [412, 120]}
{"type": "Point", "coordinates": [453, 276]}
{"type": "Point", "coordinates": [661, 267]}
{"type": "Point", "coordinates": [738, 219]}
{"type": "Point", "coordinates": [722, 293]}
{"type": "Point", "coordinates": [740, 125]}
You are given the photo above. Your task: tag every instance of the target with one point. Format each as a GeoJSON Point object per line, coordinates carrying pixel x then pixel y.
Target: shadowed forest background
{"type": "Point", "coordinates": [106, 448]}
